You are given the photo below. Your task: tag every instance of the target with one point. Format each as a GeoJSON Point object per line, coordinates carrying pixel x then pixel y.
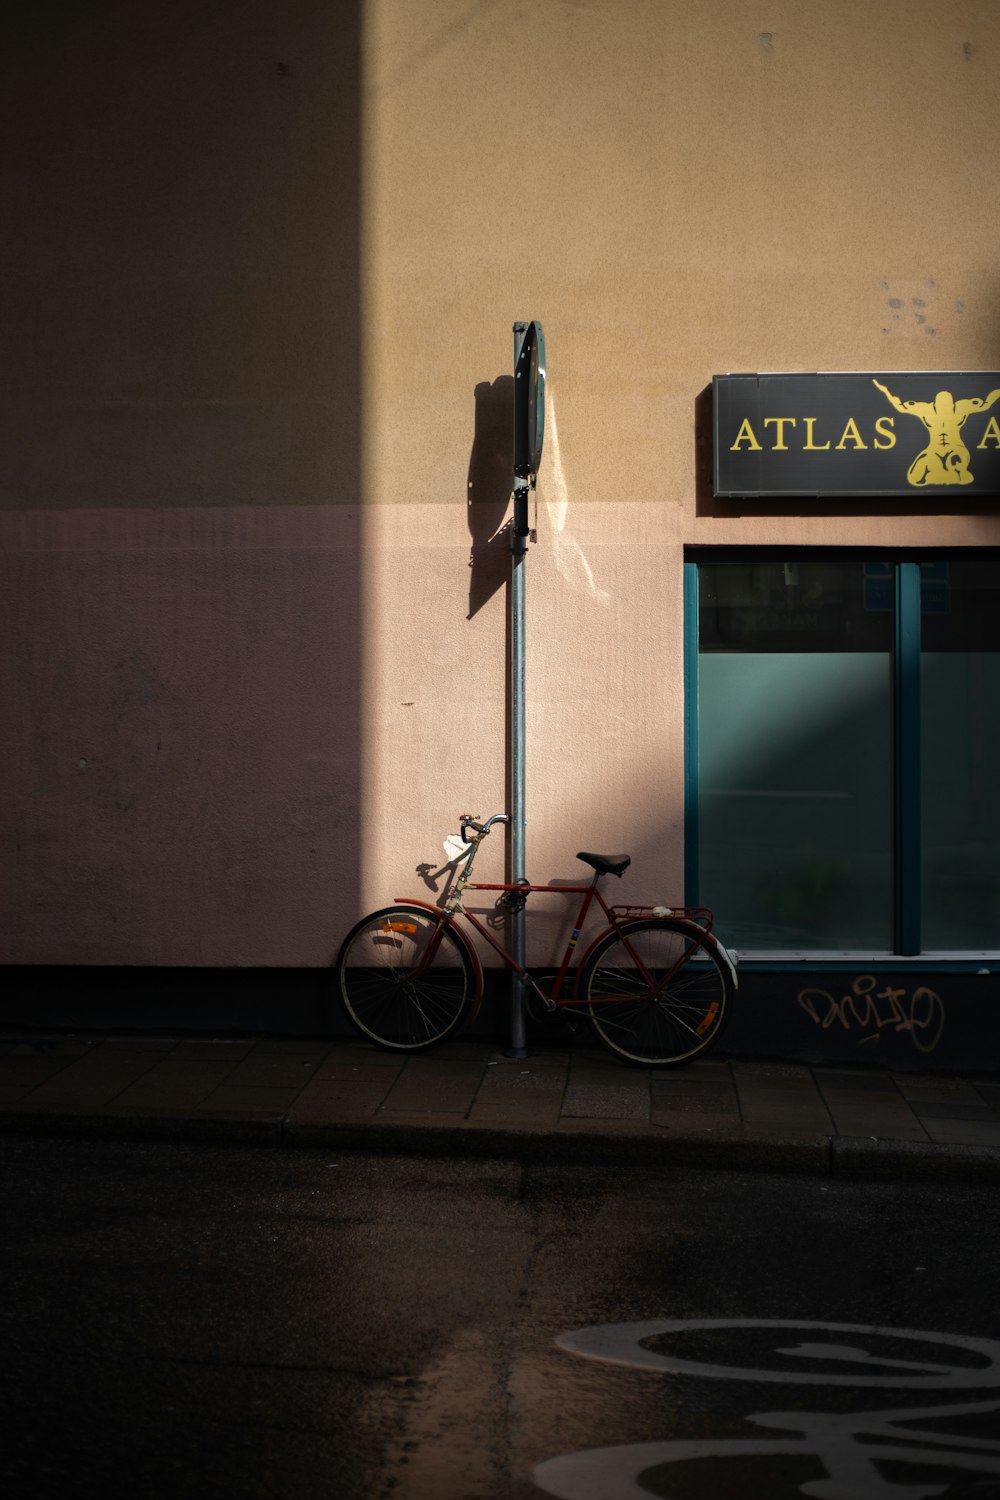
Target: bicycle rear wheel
{"type": "Point", "coordinates": [657, 994]}
{"type": "Point", "coordinates": [391, 994]}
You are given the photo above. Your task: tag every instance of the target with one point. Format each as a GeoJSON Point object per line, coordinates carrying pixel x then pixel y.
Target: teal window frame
{"type": "Point", "coordinates": [906, 722]}
{"type": "Point", "coordinates": [906, 565]}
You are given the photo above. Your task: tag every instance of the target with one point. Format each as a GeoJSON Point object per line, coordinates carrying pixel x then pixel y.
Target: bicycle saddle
{"type": "Point", "coordinates": [607, 864]}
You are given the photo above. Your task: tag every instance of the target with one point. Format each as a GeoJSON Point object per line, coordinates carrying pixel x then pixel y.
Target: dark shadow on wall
{"type": "Point", "coordinates": [182, 425]}
{"type": "Point", "coordinates": [181, 320]}
{"type": "Point", "coordinates": [489, 490]}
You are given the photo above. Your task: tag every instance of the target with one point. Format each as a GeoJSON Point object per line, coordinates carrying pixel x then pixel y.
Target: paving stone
{"type": "Point", "coordinates": [417, 1120]}
{"type": "Point", "coordinates": [694, 1124]}
{"type": "Point", "coordinates": [34, 1046]}
{"type": "Point", "coordinates": [526, 1078]}
{"type": "Point", "coordinates": [439, 1060]}
{"type": "Point", "coordinates": [858, 1082]}
{"type": "Point", "coordinates": [140, 1043]}
{"type": "Point", "coordinates": [536, 1110]}
{"type": "Point", "coordinates": [991, 1093]}
{"type": "Point", "coordinates": [460, 1099]}
{"type": "Point", "coordinates": [321, 1100]}
{"type": "Point", "coordinates": [606, 1101]}
{"type": "Point", "coordinates": [708, 1069]}
{"type": "Point", "coordinates": [209, 1047]}
{"type": "Point", "coordinates": [879, 1118]}
{"type": "Point", "coordinates": [679, 1096]}
{"type": "Point", "coordinates": [780, 1071]}
{"type": "Point", "coordinates": [782, 1098]}
{"type": "Point", "coordinates": [934, 1090]}
{"type": "Point", "coordinates": [593, 1060]}
{"type": "Point", "coordinates": [96, 1078]}
{"type": "Point", "coordinates": [177, 1082]}
{"type": "Point", "coordinates": [31, 1070]}
{"type": "Point", "coordinates": [337, 1067]}
{"type": "Point", "coordinates": [956, 1109]}
{"type": "Point", "coordinates": [367, 1054]}
{"type": "Point", "coordinates": [334, 1089]}
{"type": "Point", "coordinates": [548, 1056]}
{"type": "Point", "coordinates": [10, 1093]}
{"type": "Point", "coordinates": [860, 1117]}
{"type": "Point", "coordinates": [847, 1107]}
{"type": "Point", "coordinates": [964, 1132]}
{"type": "Point", "coordinates": [286, 1069]}
{"type": "Point", "coordinates": [418, 1097]}
{"type": "Point", "coordinates": [233, 1096]}
{"type": "Point", "coordinates": [282, 1047]}
{"type": "Point", "coordinates": [460, 1051]}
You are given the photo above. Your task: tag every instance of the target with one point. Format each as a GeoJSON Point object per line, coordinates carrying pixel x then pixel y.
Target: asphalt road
{"type": "Point", "coordinates": [181, 1321]}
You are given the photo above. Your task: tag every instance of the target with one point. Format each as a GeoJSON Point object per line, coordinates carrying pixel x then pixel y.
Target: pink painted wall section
{"type": "Point", "coordinates": [604, 701]}
{"type": "Point", "coordinates": [180, 735]}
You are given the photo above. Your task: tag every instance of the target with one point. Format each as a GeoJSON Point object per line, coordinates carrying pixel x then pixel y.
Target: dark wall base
{"type": "Point", "coordinates": [907, 1021]}
{"type": "Point", "coordinates": [926, 1022]}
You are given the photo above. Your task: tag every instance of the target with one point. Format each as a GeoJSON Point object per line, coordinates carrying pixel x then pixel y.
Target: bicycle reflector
{"type": "Point", "coordinates": [710, 1015]}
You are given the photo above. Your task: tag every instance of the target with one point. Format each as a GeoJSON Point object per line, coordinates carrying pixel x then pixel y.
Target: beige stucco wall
{"type": "Point", "coordinates": [675, 192]}
{"type": "Point", "coordinates": [263, 267]}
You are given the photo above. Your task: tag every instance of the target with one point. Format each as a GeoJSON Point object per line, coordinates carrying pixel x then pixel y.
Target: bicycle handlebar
{"type": "Point", "coordinates": [468, 821]}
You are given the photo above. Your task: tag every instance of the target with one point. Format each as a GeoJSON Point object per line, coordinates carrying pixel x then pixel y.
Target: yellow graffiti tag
{"type": "Point", "coordinates": [870, 1010]}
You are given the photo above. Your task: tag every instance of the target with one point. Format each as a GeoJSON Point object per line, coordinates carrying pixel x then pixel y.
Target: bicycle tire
{"type": "Point", "coordinates": [685, 1013]}
{"type": "Point", "coordinates": [384, 997]}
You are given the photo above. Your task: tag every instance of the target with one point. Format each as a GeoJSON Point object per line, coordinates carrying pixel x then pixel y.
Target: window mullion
{"type": "Point", "coordinates": [906, 708]}
{"type": "Point", "coordinates": [691, 832]}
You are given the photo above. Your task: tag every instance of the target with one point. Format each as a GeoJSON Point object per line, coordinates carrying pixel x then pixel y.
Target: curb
{"type": "Point", "coordinates": [209, 1129]}
{"type": "Point", "coordinates": [818, 1155]}
{"type": "Point", "coordinates": [564, 1144]}
{"type": "Point", "coordinates": [930, 1161]}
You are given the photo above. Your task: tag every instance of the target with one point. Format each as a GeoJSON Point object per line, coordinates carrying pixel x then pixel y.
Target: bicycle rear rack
{"type": "Point", "coordinates": [700, 915]}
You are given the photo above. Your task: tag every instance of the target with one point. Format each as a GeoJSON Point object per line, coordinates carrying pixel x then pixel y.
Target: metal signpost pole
{"type": "Point", "coordinates": [519, 551]}
{"type": "Point", "coordinates": [529, 407]}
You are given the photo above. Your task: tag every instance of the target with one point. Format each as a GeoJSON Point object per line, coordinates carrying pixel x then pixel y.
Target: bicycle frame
{"type": "Point", "coordinates": [554, 999]}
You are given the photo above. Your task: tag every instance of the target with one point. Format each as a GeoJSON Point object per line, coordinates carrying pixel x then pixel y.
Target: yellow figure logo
{"type": "Point", "coordinates": [945, 460]}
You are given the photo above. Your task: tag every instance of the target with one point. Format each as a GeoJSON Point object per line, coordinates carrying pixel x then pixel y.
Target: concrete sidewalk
{"type": "Point", "coordinates": [468, 1098]}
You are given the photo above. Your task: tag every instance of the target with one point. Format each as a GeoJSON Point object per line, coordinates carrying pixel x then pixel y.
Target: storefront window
{"type": "Point", "coordinates": [843, 795]}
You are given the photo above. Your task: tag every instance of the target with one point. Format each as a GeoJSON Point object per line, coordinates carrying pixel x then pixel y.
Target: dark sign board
{"type": "Point", "coordinates": [858, 434]}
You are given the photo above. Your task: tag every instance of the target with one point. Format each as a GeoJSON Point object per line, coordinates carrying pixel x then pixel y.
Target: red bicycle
{"type": "Point", "coordinates": [656, 985]}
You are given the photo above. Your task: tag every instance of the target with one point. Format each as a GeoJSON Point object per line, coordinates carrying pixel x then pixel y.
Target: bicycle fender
{"type": "Point", "coordinates": [728, 957]}
{"type": "Point", "coordinates": [719, 949]}
{"type": "Point", "coordinates": [708, 938]}
{"type": "Point", "coordinates": [477, 967]}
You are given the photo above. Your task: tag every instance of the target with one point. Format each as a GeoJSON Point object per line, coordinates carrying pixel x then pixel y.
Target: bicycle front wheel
{"type": "Point", "coordinates": [656, 992]}
{"type": "Point", "coordinates": [405, 978]}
